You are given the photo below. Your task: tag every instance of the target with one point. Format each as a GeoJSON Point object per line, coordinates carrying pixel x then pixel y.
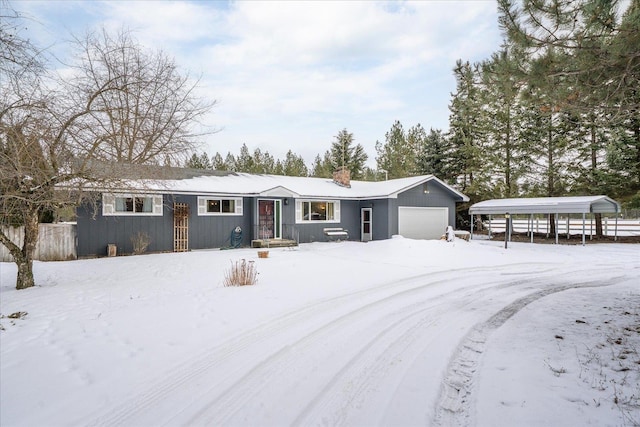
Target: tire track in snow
{"type": "Point", "coordinates": [455, 401]}
{"type": "Point", "coordinates": [195, 367]}
{"type": "Point", "coordinates": [361, 371]}
{"type": "Point", "coordinates": [146, 404]}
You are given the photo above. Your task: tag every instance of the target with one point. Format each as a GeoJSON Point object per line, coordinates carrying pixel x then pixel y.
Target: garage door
{"type": "Point", "coordinates": [422, 223]}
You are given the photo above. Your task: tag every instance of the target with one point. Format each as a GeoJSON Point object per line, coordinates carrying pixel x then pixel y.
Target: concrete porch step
{"type": "Point", "coordinates": [274, 243]}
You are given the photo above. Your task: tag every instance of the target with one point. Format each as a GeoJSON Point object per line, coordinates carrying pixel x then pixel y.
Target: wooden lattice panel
{"type": "Point", "coordinates": [180, 227]}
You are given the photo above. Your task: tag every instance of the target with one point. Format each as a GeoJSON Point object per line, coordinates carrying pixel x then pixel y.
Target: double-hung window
{"type": "Point", "coordinates": [219, 205]}
{"type": "Point", "coordinates": [317, 211]}
{"type": "Point", "coordinates": [131, 204]}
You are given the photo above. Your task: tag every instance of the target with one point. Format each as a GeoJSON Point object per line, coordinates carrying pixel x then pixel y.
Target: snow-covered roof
{"type": "Point", "coordinates": [287, 186]}
{"type": "Point", "coordinates": [546, 205]}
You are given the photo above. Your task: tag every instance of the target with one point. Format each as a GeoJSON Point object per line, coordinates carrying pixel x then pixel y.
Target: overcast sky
{"type": "Point", "coordinates": [291, 75]}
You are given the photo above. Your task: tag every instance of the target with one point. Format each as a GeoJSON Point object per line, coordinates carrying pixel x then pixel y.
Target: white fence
{"type": "Point", "coordinates": [56, 242]}
{"type": "Point", "coordinates": [626, 227]}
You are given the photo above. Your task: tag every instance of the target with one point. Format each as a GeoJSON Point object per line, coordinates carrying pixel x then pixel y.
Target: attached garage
{"type": "Point", "coordinates": [421, 222]}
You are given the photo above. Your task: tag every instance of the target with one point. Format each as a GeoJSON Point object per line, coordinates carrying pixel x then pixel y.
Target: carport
{"type": "Point", "coordinates": [547, 205]}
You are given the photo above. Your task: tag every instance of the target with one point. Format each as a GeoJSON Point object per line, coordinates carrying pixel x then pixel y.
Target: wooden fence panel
{"type": "Point", "coordinates": [56, 242]}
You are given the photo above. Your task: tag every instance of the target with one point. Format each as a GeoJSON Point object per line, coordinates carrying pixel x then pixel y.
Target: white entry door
{"type": "Point", "coordinates": [422, 223]}
{"type": "Point", "coordinates": [366, 230]}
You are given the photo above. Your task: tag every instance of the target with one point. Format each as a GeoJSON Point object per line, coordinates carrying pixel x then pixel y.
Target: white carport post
{"type": "Point", "coordinates": [557, 222]}
{"type": "Point", "coordinates": [489, 227]}
{"type": "Point", "coordinates": [531, 217]}
{"type": "Point", "coordinates": [615, 233]}
{"type": "Point", "coordinates": [584, 225]}
{"type": "Point", "coordinates": [471, 237]}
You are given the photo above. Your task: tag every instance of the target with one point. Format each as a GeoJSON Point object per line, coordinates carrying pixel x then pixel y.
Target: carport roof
{"type": "Point", "coordinates": [546, 205]}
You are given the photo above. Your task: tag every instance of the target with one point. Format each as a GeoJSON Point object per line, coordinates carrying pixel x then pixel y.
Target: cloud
{"type": "Point", "coordinates": [291, 71]}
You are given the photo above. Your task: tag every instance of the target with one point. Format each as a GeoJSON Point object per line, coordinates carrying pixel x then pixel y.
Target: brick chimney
{"type": "Point", "coordinates": [342, 177]}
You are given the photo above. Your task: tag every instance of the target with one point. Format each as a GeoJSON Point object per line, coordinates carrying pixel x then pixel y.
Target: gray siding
{"type": "Point", "coordinates": [95, 233]}
{"type": "Point", "coordinates": [393, 217]}
{"type": "Point", "coordinates": [207, 232]}
{"type": "Point", "coordinates": [379, 218]}
{"type": "Point", "coordinates": [349, 220]}
{"type": "Point", "coordinates": [438, 196]}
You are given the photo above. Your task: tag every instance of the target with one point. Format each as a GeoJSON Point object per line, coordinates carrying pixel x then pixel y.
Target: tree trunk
{"type": "Point", "coordinates": [550, 166]}
{"type": "Point", "coordinates": [599, 224]}
{"type": "Point", "coordinates": [25, 266]}
{"type": "Point", "coordinates": [507, 173]}
{"type": "Point", "coordinates": [636, 139]}
{"type": "Point", "coordinates": [594, 166]}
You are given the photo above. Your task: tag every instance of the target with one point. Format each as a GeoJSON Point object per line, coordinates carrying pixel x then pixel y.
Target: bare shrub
{"type": "Point", "coordinates": [140, 242]}
{"type": "Point", "coordinates": [241, 273]}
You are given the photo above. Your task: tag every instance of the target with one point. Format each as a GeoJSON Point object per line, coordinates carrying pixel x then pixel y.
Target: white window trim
{"type": "Point", "coordinates": [202, 206]}
{"type": "Point", "coordinates": [109, 204]}
{"type": "Point", "coordinates": [299, 210]}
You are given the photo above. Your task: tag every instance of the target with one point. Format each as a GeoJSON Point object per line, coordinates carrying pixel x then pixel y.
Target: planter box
{"type": "Point", "coordinates": [111, 250]}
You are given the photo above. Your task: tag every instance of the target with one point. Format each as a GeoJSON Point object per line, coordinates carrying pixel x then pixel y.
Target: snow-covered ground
{"type": "Point", "coordinates": [398, 332]}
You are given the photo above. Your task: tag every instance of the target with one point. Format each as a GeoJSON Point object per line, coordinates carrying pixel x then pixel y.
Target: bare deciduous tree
{"type": "Point", "coordinates": [121, 104]}
{"type": "Point", "coordinates": [151, 117]}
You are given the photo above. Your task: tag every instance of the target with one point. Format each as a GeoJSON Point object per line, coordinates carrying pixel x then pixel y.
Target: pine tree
{"type": "Point", "coordinates": [506, 152]}
{"type": "Point", "coordinates": [294, 165]}
{"type": "Point", "coordinates": [244, 161]}
{"type": "Point", "coordinates": [592, 52]}
{"type": "Point", "coordinates": [465, 132]}
{"type": "Point", "coordinates": [262, 163]}
{"type": "Point", "coordinates": [416, 137]}
{"type": "Point", "coordinates": [218, 163]}
{"type": "Point", "coordinates": [230, 162]}
{"type": "Point", "coordinates": [343, 152]}
{"type": "Point", "coordinates": [397, 156]}
{"type": "Point", "coordinates": [433, 156]}
{"type": "Point", "coordinates": [199, 161]}
{"type": "Point", "coordinates": [322, 167]}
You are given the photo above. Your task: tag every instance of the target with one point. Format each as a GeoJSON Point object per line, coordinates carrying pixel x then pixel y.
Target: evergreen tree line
{"type": "Point", "coordinates": [555, 111]}
{"type": "Point", "coordinates": [404, 153]}
{"type": "Point", "coordinates": [343, 151]}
